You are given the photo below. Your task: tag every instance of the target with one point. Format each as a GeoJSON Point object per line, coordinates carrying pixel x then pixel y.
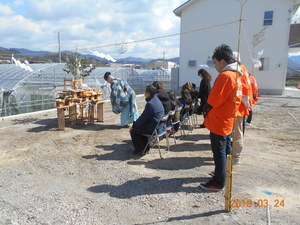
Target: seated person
{"type": "Point", "coordinates": [185, 99]}
{"type": "Point", "coordinates": [191, 87]}
{"type": "Point", "coordinates": [147, 121]}
{"type": "Point", "coordinates": [194, 94]}
{"type": "Point", "coordinates": [174, 105]}
{"type": "Point", "coordinates": [163, 96]}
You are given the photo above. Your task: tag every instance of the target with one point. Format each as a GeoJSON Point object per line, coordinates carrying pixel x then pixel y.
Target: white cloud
{"type": "Point", "coordinates": [104, 17]}
{"type": "Point", "coordinates": [34, 24]}
{"type": "Point", "coordinates": [18, 2]}
{"type": "Point", "coordinates": [5, 10]}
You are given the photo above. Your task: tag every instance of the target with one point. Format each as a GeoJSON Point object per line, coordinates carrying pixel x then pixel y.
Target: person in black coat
{"type": "Point", "coordinates": [194, 95]}
{"type": "Point", "coordinates": [163, 96]}
{"type": "Point", "coordinates": [204, 89]}
{"type": "Point", "coordinates": [147, 121]}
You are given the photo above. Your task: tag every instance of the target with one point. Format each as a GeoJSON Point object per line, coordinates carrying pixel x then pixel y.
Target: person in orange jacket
{"type": "Point", "coordinates": [221, 109]}
{"type": "Point", "coordinates": [254, 89]}
{"type": "Point", "coordinates": [242, 112]}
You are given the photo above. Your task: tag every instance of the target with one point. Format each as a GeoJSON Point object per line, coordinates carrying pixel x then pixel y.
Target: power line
{"type": "Point", "coordinates": [144, 40]}
{"type": "Point", "coordinates": [160, 37]}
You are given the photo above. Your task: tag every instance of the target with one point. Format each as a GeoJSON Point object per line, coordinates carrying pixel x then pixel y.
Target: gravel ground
{"type": "Point", "coordinates": [88, 175]}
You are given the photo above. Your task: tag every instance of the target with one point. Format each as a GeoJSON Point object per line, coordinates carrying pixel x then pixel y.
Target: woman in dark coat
{"type": "Point", "coordinates": [163, 96]}
{"type": "Point", "coordinates": [174, 105]}
{"type": "Point", "coordinates": [185, 99]}
{"type": "Point", "coordinates": [194, 95]}
{"type": "Point", "coordinates": [204, 89]}
{"type": "Point", "coordinates": [147, 121]}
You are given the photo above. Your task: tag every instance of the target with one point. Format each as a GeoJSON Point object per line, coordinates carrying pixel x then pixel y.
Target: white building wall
{"type": "Point", "coordinates": [164, 64]}
{"type": "Point", "coordinates": [200, 45]}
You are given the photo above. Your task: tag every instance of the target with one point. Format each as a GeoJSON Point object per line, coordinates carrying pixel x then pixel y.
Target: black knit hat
{"type": "Point", "coordinates": [106, 75]}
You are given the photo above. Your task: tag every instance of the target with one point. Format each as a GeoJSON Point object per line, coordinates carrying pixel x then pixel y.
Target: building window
{"type": "Point", "coordinates": [192, 63]}
{"type": "Point", "coordinates": [264, 64]}
{"type": "Point", "coordinates": [268, 18]}
{"type": "Point", "coordinates": [210, 63]}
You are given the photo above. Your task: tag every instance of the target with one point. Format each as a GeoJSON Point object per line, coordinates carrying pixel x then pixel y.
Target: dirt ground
{"type": "Point", "coordinates": [87, 174]}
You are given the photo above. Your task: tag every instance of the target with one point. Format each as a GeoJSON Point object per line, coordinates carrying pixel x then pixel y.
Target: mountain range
{"type": "Point", "coordinates": [293, 62]}
{"type": "Point", "coordinates": [25, 51]}
{"type": "Point", "coordinates": [130, 60]}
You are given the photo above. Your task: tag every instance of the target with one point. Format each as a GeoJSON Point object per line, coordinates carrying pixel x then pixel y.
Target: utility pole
{"type": "Point", "coordinates": [59, 53]}
{"type": "Point", "coordinates": [164, 60]}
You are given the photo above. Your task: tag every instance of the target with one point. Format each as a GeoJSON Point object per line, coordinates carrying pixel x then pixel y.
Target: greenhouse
{"type": "Point", "coordinates": [23, 91]}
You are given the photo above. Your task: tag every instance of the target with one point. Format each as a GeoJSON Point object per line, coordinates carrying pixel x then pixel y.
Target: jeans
{"type": "Point", "coordinates": [221, 147]}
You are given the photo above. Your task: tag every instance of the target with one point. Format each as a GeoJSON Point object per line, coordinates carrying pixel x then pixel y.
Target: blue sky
{"type": "Point", "coordinates": [34, 24]}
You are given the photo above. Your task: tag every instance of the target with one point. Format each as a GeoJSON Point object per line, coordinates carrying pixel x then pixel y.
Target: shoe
{"type": "Point", "coordinates": [122, 125]}
{"type": "Point", "coordinates": [211, 186]}
{"type": "Point", "coordinates": [202, 126]}
{"type": "Point", "coordinates": [138, 154]}
{"type": "Point", "coordinates": [247, 124]}
{"type": "Point", "coordinates": [236, 161]}
{"type": "Point", "coordinates": [152, 142]}
{"type": "Point", "coordinates": [212, 173]}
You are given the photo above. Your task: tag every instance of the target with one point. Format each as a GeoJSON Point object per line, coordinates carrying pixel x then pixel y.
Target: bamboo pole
{"type": "Point", "coordinates": [229, 161]}
{"type": "Point", "coordinates": [228, 187]}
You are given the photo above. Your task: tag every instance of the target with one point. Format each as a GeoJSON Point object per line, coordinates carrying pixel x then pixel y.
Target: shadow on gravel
{"type": "Point", "coordinates": [188, 217]}
{"type": "Point", "coordinates": [51, 124]}
{"type": "Point", "coordinates": [98, 127]}
{"type": "Point", "coordinates": [24, 121]}
{"type": "Point", "coordinates": [123, 152]}
{"type": "Point", "coordinates": [192, 137]}
{"type": "Point", "coordinates": [177, 163]}
{"type": "Point", "coordinates": [290, 106]}
{"type": "Point", "coordinates": [188, 146]}
{"type": "Point", "coordinates": [46, 125]}
{"type": "Point", "coordinates": [148, 186]}
{"type": "Point", "coordinates": [117, 152]}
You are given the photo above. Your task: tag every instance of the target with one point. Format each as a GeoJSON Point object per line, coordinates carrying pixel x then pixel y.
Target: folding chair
{"type": "Point", "coordinates": [174, 123]}
{"type": "Point", "coordinates": [192, 116]}
{"type": "Point", "coordinates": [169, 124]}
{"type": "Point", "coordinates": [184, 119]}
{"type": "Point", "coordinates": [156, 136]}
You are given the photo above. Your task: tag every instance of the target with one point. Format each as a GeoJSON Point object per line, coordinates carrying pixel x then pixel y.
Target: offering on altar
{"type": "Point", "coordinates": [69, 97]}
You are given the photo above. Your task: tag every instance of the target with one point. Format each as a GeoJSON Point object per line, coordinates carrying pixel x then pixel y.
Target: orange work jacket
{"type": "Point", "coordinates": [246, 91]}
{"type": "Point", "coordinates": [254, 89]}
{"type": "Point", "coordinates": [225, 98]}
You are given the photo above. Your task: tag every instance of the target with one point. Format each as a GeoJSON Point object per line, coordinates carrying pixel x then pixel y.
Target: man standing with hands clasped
{"type": "Point", "coordinates": [222, 104]}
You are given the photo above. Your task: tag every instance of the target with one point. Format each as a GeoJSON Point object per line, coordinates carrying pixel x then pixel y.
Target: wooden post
{"type": "Point", "coordinates": [228, 187]}
{"type": "Point", "coordinates": [73, 114]}
{"type": "Point", "coordinates": [81, 111]}
{"type": "Point", "coordinates": [73, 83]}
{"type": "Point", "coordinates": [84, 114]}
{"type": "Point", "coordinates": [91, 113]}
{"type": "Point", "coordinates": [61, 118]}
{"type": "Point", "coordinates": [100, 117]}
